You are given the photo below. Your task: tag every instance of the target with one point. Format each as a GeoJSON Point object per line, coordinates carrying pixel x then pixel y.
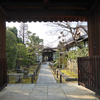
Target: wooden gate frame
{"type": "Point", "coordinates": [89, 72]}
{"type": "Point", "coordinates": [3, 60]}
{"type": "Point", "coordinates": [3, 73]}
{"type": "Point", "coordinates": [93, 25]}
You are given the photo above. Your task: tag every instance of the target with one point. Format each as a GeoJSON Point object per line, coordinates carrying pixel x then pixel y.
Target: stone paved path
{"type": "Point", "coordinates": [45, 75]}
{"type": "Point", "coordinates": [44, 90]}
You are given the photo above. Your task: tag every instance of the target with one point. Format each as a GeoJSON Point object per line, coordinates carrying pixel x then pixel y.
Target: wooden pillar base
{"type": "Point", "coordinates": [3, 72]}
{"type": "Point", "coordinates": [97, 94]}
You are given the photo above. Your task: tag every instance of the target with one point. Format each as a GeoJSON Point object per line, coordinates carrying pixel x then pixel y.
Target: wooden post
{"type": "Point", "coordinates": [94, 36]}
{"type": "Point", "coordinates": [57, 73]}
{"type": "Point", "coordinates": [31, 78]}
{"type": "Point", "coordinates": [60, 78]}
{"type": "Point", "coordinates": [34, 75]}
{"type": "Point", "coordinates": [2, 34]}
{"type": "Point", "coordinates": [3, 62]}
{"type": "Point", "coordinates": [94, 30]}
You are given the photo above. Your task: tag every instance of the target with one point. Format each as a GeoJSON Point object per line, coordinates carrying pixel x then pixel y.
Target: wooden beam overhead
{"type": "Point", "coordinates": [47, 12]}
{"type": "Point", "coordinates": [2, 10]}
{"type": "Point", "coordinates": [46, 9]}
{"type": "Point", "coordinates": [22, 4]}
{"type": "Point", "coordinates": [95, 5]}
{"type": "Point", "coordinates": [68, 4]}
{"type": "Point", "coordinates": [46, 4]}
{"type": "Point", "coordinates": [46, 15]}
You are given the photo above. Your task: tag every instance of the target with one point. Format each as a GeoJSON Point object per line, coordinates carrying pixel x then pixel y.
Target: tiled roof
{"type": "Point", "coordinates": [81, 37]}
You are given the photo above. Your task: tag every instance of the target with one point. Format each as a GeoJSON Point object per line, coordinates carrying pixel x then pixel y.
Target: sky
{"type": "Point", "coordinates": [41, 30]}
{"type": "Point", "coordinates": [44, 30]}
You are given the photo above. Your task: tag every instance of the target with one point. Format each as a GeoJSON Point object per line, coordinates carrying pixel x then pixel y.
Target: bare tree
{"type": "Point", "coordinates": [23, 32]}
{"type": "Point", "coordinates": [65, 29]}
{"type": "Point", "coordinates": [73, 30]}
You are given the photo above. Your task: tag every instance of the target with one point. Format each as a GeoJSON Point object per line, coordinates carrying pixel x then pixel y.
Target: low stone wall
{"type": "Point", "coordinates": [72, 65]}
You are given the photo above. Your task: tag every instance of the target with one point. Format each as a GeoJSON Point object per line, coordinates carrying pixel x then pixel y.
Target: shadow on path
{"type": "Point", "coordinates": [46, 88]}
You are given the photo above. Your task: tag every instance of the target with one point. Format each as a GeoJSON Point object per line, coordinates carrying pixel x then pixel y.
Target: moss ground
{"type": "Point", "coordinates": [28, 80]}
{"type": "Point", "coordinates": [69, 73]}
{"type": "Point", "coordinates": [63, 79]}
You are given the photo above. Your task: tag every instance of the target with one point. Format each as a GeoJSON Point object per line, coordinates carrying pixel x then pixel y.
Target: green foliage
{"type": "Point", "coordinates": [22, 56]}
{"type": "Point", "coordinates": [32, 58]}
{"type": "Point", "coordinates": [63, 61]}
{"type": "Point", "coordinates": [17, 53]}
{"type": "Point", "coordinates": [33, 47]}
{"type": "Point", "coordinates": [71, 55]}
{"type": "Point", "coordinates": [77, 53]}
{"type": "Point", "coordinates": [19, 40]}
{"type": "Point", "coordinates": [54, 61]}
{"type": "Point", "coordinates": [34, 40]}
{"type": "Point", "coordinates": [13, 30]}
{"type": "Point", "coordinates": [11, 49]}
{"type": "Point", "coordinates": [56, 64]}
{"type": "Point", "coordinates": [69, 73]}
{"type": "Point", "coordinates": [22, 51]}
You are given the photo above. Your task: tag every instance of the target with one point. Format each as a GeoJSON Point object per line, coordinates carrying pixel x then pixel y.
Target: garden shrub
{"type": "Point", "coordinates": [11, 49]}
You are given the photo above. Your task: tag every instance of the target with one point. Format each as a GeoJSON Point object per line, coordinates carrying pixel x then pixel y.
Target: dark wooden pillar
{"type": "Point", "coordinates": [3, 62]}
{"type": "Point", "coordinates": [94, 29]}
{"type": "Point", "coordinates": [94, 44]}
{"type": "Point", "coordinates": [2, 34]}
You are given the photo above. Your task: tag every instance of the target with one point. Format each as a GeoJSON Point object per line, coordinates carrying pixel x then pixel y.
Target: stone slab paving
{"type": "Point", "coordinates": [46, 90]}
{"type": "Point", "coordinates": [69, 91]}
{"type": "Point", "coordinates": [45, 75]}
